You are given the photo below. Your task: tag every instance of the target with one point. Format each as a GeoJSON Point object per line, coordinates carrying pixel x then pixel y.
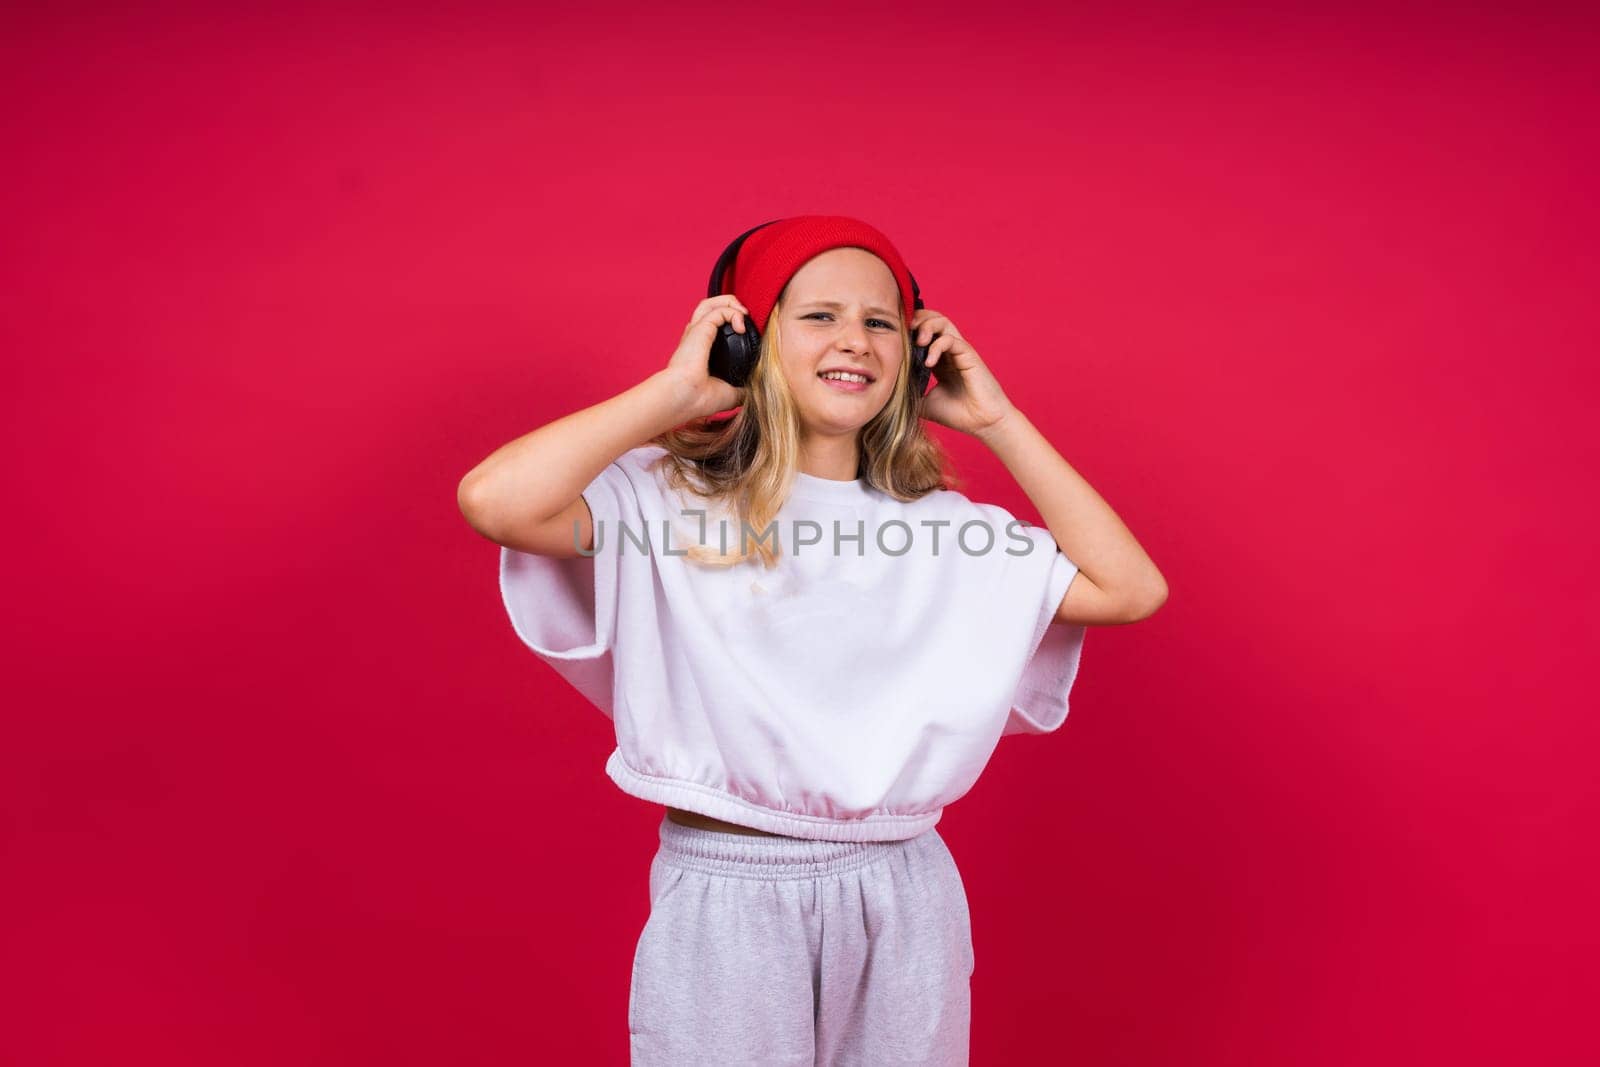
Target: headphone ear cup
{"type": "Point", "coordinates": [734, 354]}
{"type": "Point", "coordinates": [919, 370]}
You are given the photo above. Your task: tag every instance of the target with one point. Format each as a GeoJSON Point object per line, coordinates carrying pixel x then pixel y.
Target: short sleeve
{"type": "Point", "coordinates": [1040, 703]}
{"type": "Point", "coordinates": [566, 610]}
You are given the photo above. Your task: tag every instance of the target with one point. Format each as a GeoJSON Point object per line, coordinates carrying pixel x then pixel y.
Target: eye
{"type": "Point", "coordinates": [881, 322]}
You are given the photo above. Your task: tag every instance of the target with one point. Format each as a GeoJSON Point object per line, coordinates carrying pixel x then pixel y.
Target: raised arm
{"type": "Point", "coordinates": [528, 493]}
{"type": "Point", "coordinates": [1116, 581]}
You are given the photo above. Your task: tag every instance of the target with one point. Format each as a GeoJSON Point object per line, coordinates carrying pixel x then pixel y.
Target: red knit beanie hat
{"type": "Point", "coordinates": [773, 254]}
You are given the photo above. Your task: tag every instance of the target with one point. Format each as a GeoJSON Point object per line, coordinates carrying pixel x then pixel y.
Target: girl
{"type": "Point", "coordinates": [808, 642]}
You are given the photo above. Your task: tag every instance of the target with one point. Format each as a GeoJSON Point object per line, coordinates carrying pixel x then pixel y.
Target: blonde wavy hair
{"type": "Point", "coordinates": [744, 464]}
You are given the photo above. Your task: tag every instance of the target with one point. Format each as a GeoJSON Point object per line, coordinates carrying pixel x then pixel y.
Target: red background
{"type": "Point", "coordinates": [1299, 293]}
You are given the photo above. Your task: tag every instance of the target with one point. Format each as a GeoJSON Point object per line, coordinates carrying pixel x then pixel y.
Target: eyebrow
{"type": "Point", "coordinates": [835, 305]}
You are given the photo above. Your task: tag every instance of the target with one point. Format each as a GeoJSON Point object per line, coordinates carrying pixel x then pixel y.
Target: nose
{"type": "Point", "coordinates": [853, 335]}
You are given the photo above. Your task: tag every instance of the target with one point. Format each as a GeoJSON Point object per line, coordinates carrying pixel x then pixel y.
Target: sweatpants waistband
{"type": "Point", "coordinates": [770, 859]}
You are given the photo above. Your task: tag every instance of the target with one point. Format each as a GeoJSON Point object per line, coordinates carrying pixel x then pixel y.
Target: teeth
{"type": "Point", "coordinates": [845, 376]}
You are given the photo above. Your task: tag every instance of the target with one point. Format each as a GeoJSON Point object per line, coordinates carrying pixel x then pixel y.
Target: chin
{"type": "Point", "coordinates": [815, 422]}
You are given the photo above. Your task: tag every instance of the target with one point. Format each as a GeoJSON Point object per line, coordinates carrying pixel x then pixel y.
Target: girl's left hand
{"type": "Point", "coordinates": [967, 396]}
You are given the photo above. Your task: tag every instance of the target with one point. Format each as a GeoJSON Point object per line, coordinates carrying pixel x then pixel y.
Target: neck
{"type": "Point", "coordinates": [834, 458]}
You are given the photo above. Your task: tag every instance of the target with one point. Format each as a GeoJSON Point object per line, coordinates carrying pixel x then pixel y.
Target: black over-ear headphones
{"type": "Point", "coordinates": [734, 354]}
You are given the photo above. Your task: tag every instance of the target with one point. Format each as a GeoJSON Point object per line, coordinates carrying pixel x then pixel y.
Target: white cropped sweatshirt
{"type": "Point", "coordinates": [847, 694]}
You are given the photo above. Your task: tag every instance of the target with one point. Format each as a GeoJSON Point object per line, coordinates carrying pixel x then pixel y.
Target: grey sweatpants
{"type": "Point", "coordinates": [778, 951]}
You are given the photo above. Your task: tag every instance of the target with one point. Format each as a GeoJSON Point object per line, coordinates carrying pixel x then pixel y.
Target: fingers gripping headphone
{"type": "Point", "coordinates": [734, 354]}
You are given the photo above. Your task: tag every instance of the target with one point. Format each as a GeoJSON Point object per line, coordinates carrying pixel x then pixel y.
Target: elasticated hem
{"type": "Point", "coordinates": [692, 796]}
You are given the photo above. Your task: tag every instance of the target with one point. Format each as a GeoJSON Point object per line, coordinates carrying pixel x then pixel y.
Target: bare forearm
{"type": "Point", "coordinates": [1082, 523]}
{"type": "Point", "coordinates": [537, 475]}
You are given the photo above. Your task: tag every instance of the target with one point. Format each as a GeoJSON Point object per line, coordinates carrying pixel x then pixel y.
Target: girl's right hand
{"type": "Point", "coordinates": [691, 363]}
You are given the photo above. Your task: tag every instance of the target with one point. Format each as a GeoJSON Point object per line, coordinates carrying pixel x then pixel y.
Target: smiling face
{"type": "Point", "coordinates": [840, 311]}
